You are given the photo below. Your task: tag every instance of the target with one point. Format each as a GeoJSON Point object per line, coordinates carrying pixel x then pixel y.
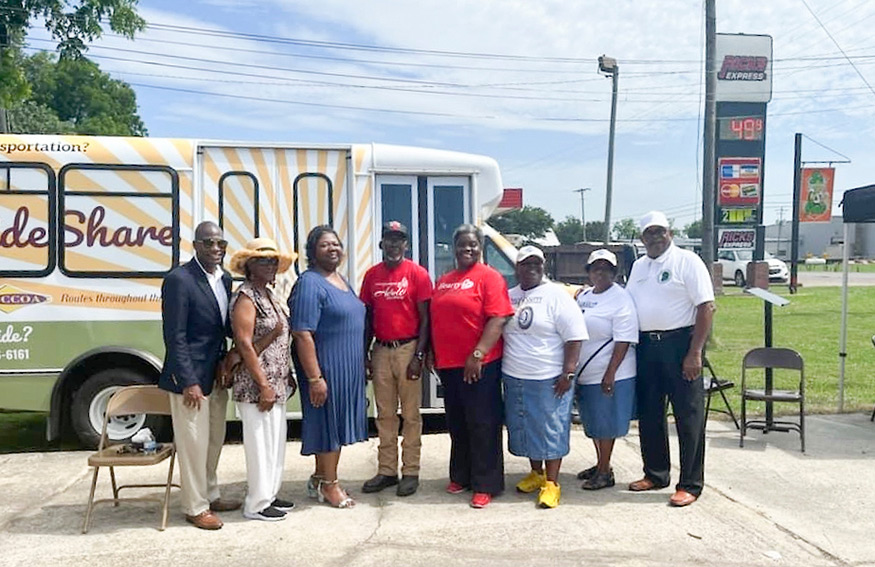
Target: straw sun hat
{"type": "Point", "coordinates": [260, 248]}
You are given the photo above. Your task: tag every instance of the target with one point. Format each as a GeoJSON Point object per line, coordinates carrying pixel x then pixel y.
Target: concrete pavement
{"type": "Point", "coordinates": [766, 504]}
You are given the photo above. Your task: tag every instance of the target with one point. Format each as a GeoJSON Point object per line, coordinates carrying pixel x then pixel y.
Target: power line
{"type": "Point", "coordinates": [838, 46]}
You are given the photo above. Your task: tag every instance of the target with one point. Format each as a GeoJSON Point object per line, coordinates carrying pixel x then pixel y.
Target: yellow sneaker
{"type": "Point", "coordinates": [532, 482]}
{"type": "Point", "coordinates": [549, 496]}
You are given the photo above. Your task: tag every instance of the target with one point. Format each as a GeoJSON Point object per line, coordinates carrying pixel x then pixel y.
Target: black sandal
{"type": "Point", "coordinates": [599, 481]}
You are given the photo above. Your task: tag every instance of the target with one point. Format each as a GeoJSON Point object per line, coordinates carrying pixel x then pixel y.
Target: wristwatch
{"type": "Point", "coordinates": [570, 376]}
{"type": "Point", "coordinates": [477, 354]}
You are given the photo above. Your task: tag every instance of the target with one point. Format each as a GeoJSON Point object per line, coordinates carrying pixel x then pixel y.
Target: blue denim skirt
{"type": "Point", "coordinates": [538, 423]}
{"type": "Point", "coordinates": [606, 417]}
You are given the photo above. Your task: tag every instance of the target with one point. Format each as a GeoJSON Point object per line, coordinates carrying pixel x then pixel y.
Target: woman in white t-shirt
{"type": "Point", "coordinates": [606, 383]}
{"type": "Point", "coordinates": [541, 349]}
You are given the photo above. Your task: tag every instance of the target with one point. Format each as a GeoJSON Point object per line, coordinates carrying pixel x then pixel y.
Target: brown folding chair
{"type": "Point", "coordinates": [132, 400]}
{"type": "Point", "coordinates": [773, 358]}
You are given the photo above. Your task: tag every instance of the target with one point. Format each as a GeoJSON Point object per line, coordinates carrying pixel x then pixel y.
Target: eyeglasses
{"type": "Point", "coordinates": [211, 242]}
{"type": "Point", "coordinates": [266, 261]}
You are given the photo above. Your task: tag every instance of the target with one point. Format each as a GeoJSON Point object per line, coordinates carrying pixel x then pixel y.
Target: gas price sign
{"type": "Point", "coordinates": [734, 128]}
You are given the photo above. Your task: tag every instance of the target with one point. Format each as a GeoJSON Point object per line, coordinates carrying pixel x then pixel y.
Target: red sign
{"type": "Point", "coordinates": [512, 198]}
{"type": "Point", "coordinates": [739, 181]}
{"type": "Point", "coordinates": [815, 202]}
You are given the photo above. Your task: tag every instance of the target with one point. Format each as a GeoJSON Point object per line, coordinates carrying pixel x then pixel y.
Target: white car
{"type": "Point", "coordinates": [735, 263]}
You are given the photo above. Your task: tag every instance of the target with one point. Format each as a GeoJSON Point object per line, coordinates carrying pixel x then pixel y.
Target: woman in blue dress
{"type": "Point", "coordinates": [328, 326]}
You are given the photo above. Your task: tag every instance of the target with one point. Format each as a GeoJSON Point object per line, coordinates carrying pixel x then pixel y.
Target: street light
{"type": "Point", "coordinates": [582, 213]}
{"type": "Point", "coordinates": [608, 66]}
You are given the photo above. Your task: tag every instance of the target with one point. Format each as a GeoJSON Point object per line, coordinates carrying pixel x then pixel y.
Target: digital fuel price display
{"type": "Point", "coordinates": [747, 128]}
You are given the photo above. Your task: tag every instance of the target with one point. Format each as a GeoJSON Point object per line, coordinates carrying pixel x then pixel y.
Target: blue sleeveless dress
{"type": "Point", "coordinates": [337, 320]}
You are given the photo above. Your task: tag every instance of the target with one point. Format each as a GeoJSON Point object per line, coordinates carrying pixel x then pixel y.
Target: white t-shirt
{"type": "Point", "coordinates": [667, 290]}
{"type": "Point", "coordinates": [609, 315]}
{"type": "Point", "coordinates": [545, 318]}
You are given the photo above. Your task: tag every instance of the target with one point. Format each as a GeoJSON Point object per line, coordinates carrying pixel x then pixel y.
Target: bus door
{"type": "Point", "coordinates": [431, 207]}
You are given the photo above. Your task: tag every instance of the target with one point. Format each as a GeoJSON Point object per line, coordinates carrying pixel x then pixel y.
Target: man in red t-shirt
{"type": "Point", "coordinates": [396, 293]}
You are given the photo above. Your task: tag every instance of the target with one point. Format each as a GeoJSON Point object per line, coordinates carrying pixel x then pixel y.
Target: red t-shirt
{"type": "Point", "coordinates": [392, 295]}
{"type": "Point", "coordinates": [462, 303]}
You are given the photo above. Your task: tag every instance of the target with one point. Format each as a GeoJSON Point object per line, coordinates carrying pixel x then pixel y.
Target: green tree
{"type": "Point", "coordinates": [30, 117]}
{"type": "Point", "coordinates": [694, 229]}
{"type": "Point", "coordinates": [81, 96]}
{"type": "Point", "coordinates": [73, 23]}
{"type": "Point", "coordinates": [531, 222]}
{"type": "Point", "coordinates": [626, 229]}
{"type": "Point", "coordinates": [595, 231]}
{"type": "Point", "coordinates": [569, 231]}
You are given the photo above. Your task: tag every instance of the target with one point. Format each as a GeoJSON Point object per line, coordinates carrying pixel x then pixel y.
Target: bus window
{"type": "Point", "coordinates": [397, 202]}
{"type": "Point", "coordinates": [449, 200]}
{"type": "Point", "coordinates": [494, 257]}
{"type": "Point", "coordinates": [27, 219]}
{"type": "Point", "coordinates": [119, 220]}
{"type": "Point", "coordinates": [313, 203]}
{"type": "Point", "coordinates": [238, 208]}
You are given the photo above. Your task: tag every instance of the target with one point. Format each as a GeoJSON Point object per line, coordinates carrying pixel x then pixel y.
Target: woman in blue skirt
{"type": "Point", "coordinates": [328, 326]}
{"type": "Point", "coordinates": [606, 381]}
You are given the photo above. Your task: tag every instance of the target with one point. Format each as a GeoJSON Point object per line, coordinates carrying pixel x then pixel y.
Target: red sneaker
{"type": "Point", "coordinates": [480, 500]}
{"type": "Point", "coordinates": [455, 488]}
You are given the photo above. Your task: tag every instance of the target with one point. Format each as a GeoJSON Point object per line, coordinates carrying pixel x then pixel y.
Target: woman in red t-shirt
{"type": "Point", "coordinates": [468, 311]}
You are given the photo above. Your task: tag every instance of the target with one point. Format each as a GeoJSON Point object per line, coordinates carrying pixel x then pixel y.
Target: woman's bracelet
{"type": "Point", "coordinates": [314, 380]}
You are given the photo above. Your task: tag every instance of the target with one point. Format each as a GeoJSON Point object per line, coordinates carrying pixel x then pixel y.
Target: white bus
{"type": "Point", "coordinates": [90, 225]}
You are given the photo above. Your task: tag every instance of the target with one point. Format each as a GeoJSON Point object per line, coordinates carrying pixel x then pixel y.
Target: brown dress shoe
{"type": "Point", "coordinates": [682, 498]}
{"type": "Point", "coordinates": [206, 520]}
{"type": "Point", "coordinates": [644, 484]}
{"type": "Point", "coordinates": [223, 505]}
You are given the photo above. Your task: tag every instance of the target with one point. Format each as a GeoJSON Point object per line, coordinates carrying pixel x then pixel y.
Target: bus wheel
{"type": "Point", "coordinates": [89, 406]}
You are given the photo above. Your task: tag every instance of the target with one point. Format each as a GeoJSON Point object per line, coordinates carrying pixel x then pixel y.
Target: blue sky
{"type": "Point", "coordinates": [513, 79]}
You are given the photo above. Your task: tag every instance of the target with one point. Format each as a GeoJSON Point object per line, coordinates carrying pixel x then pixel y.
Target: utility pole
{"type": "Point", "coordinates": [794, 222]}
{"type": "Point", "coordinates": [608, 66]}
{"type": "Point", "coordinates": [709, 141]}
{"type": "Point", "coordinates": [582, 210]}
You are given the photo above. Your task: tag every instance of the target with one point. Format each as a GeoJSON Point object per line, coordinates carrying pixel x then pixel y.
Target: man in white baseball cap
{"type": "Point", "coordinates": [674, 297]}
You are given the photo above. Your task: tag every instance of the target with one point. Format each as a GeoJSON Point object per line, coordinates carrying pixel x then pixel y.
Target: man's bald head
{"type": "Point", "coordinates": [209, 245]}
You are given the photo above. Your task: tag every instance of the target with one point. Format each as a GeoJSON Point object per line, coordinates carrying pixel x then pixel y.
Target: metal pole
{"type": "Point", "coordinates": [843, 339]}
{"type": "Point", "coordinates": [582, 211]}
{"type": "Point", "coordinates": [794, 222]}
{"type": "Point", "coordinates": [610, 182]}
{"type": "Point", "coordinates": [709, 140]}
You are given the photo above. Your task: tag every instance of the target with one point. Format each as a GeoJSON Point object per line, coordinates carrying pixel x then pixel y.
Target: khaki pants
{"type": "Point", "coordinates": [199, 435]}
{"type": "Point", "coordinates": [390, 386]}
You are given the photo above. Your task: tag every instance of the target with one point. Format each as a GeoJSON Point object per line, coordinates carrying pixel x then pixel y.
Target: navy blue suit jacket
{"type": "Point", "coordinates": [194, 332]}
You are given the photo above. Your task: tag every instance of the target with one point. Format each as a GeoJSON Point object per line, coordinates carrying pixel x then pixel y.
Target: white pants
{"type": "Point", "coordinates": [264, 444]}
{"type": "Point", "coordinates": [199, 435]}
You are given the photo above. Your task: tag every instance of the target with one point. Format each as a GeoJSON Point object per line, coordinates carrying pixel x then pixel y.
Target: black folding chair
{"type": "Point", "coordinates": [717, 386]}
{"type": "Point", "coordinates": [772, 358]}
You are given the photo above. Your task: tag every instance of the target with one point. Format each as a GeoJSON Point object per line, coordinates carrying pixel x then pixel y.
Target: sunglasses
{"type": "Point", "coordinates": [211, 242]}
{"type": "Point", "coordinates": [266, 261]}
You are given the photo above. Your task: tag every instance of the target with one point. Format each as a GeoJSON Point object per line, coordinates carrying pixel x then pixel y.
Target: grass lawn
{"type": "Point", "coordinates": [810, 324]}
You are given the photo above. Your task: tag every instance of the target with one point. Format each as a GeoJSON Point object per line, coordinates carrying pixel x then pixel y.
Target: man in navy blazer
{"type": "Point", "coordinates": [194, 310]}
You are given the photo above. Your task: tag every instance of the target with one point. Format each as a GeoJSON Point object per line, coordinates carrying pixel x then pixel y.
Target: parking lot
{"type": "Point", "coordinates": [766, 504]}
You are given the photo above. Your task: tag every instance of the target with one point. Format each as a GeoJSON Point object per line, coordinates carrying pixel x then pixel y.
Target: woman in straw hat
{"type": "Point", "coordinates": [328, 325]}
{"type": "Point", "coordinates": [262, 383]}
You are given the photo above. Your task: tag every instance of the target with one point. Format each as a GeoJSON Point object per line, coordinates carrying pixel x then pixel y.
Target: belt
{"type": "Point", "coordinates": [657, 336]}
{"type": "Point", "coordinates": [396, 344]}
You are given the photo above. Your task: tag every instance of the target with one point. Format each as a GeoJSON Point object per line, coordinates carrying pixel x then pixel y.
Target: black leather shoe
{"type": "Point", "coordinates": [408, 485]}
{"type": "Point", "coordinates": [378, 483]}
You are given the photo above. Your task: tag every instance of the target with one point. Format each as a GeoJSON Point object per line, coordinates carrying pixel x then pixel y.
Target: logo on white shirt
{"type": "Point", "coordinates": [457, 286]}
{"type": "Point", "coordinates": [525, 318]}
{"type": "Point", "coordinates": [664, 276]}
{"type": "Point", "coordinates": [392, 291]}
